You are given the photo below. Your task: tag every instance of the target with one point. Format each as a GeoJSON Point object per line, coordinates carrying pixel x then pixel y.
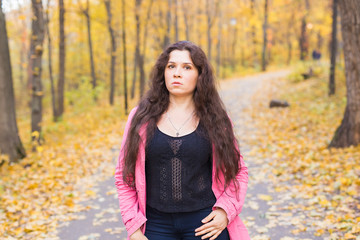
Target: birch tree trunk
{"type": "Point", "coordinates": [348, 133]}
{"type": "Point", "coordinates": [10, 143]}
{"type": "Point", "coordinates": [36, 50]}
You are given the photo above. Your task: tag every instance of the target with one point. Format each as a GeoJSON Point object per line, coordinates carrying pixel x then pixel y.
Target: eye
{"type": "Point", "coordinates": [187, 67]}
{"type": "Point", "coordinates": [171, 66]}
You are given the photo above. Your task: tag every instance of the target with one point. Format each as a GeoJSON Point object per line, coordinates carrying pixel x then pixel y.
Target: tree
{"type": "Point", "coordinates": [61, 80]}
{"type": "Point", "coordinates": [168, 25]}
{"type": "Point", "coordinates": [36, 50]}
{"type": "Point", "coordinates": [10, 143]}
{"type": "Point", "coordinates": [52, 87]}
{"type": "Point", "coordinates": [86, 12]}
{"type": "Point", "coordinates": [348, 133]}
{"type": "Point", "coordinates": [140, 54]}
{"type": "Point", "coordinates": [185, 8]}
{"type": "Point", "coordinates": [124, 56]}
{"type": "Point", "coordinates": [263, 65]}
{"type": "Point", "coordinates": [211, 12]}
{"type": "Point", "coordinates": [113, 51]}
{"type": "Point", "coordinates": [333, 50]}
{"type": "Point", "coordinates": [253, 32]}
{"type": "Point", "coordinates": [304, 39]}
{"type": "Point", "coordinates": [176, 21]}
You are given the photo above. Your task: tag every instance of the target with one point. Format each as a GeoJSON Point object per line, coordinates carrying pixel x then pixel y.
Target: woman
{"type": "Point", "coordinates": [180, 175]}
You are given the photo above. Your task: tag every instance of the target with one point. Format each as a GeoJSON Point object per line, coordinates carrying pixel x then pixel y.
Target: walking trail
{"type": "Point", "coordinates": [266, 212]}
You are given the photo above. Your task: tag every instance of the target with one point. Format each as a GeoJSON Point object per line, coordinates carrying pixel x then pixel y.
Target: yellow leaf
{"type": "Point", "coordinates": [319, 232]}
{"type": "Point", "coordinates": [39, 149]}
{"type": "Point", "coordinates": [349, 236]}
{"type": "Point", "coordinates": [90, 193]}
{"type": "Point", "coordinates": [35, 134]}
{"type": "Point", "coordinates": [324, 203]}
{"type": "Point", "coordinates": [69, 202]}
{"type": "Point", "coordinates": [265, 197]}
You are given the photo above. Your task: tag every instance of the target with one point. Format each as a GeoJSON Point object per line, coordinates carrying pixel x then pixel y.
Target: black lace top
{"type": "Point", "coordinates": [178, 172]}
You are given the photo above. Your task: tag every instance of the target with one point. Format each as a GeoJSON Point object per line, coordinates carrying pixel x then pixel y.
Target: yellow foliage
{"type": "Point", "coordinates": [296, 140]}
{"type": "Point", "coordinates": [45, 185]}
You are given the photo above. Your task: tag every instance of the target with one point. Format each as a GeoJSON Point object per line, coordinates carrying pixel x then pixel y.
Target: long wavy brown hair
{"type": "Point", "coordinates": [208, 108]}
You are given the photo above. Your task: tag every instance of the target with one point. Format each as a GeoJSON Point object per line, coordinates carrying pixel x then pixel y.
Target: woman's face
{"type": "Point", "coordinates": [180, 74]}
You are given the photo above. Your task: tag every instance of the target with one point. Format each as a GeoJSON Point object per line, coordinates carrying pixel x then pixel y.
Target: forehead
{"type": "Point", "coordinates": [180, 56]}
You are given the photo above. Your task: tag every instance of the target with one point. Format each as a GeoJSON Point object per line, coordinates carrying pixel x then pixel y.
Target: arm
{"type": "Point", "coordinates": [132, 217]}
{"type": "Point", "coordinates": [230, 201]}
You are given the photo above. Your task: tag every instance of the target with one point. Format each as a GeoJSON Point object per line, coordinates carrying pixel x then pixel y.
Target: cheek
{"type": "Point", "coordinates": [167, 76]}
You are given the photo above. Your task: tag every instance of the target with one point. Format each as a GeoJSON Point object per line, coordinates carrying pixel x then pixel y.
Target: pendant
{"type": "Point", "coordinates": [177, 134]}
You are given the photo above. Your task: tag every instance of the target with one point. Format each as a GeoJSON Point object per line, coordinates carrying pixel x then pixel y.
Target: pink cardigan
{"type": "Point", "coordinates": [133, 201]}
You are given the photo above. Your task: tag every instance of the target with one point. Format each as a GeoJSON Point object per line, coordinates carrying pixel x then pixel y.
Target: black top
{"type": "Point", "coordinates": [178, 172]}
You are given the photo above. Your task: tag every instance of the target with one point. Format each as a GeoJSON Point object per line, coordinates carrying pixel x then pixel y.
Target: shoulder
{"type": "Point", "coordinates": [132, 113]}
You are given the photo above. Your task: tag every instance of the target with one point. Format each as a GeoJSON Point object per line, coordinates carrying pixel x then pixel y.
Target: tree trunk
{"type": "Point", "coordinates": [218, 45]}
{"type": "Point", "coordinates": [113, 51]}
{"type": "Point", "coordinates": [176, 22]}
{"type": "Point", "coordinates": [36, 50]}
{"type": "Point", "coordinates": [124, 57]}
{"type": "Point", "coordinates": [137, 45]}
{"type": "Point", "coordinates": [211, 13]}
{"type": "Point", "coordinates": [134, 76]}
{"type": "Point", "coordinates": [53, 97]}
{"type": "Point", "coordinates": [143, 51]}
{"type": "Point", "coordinates": [209, 25]}
{"type": "Point", "coordinates": [304, 39]}
{"type": "Point", "coordinates": [86, 13]}
{"type": "Point", "coordinates": [10, 143]}
{"type": "Point", "coordinates": [186, 22]}
{"type": "Point", "coordinates": [333, 50]}
{"type": "Point", "coordinates": [61, 81]}
{"type": "Point", "coordinates": [253, 33]}
{"type": "Point", "coordinates": [23, 53]}
{"type": "Point", "coordinates": [263, 62]}
{"type": "Point", "coordinates": [348, 133]}
{"type": "Point", "coordinates": [142, 74]}
{"type": "Point", "coordinates": [289, 45]}
{"type": "Point", "coordinates": [168, 25]}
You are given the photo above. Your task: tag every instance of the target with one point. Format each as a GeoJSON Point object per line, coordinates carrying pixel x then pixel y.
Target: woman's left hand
{"type": "Point", "coordinates": [213, 225]}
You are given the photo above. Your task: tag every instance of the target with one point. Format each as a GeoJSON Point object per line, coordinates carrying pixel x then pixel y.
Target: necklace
{"type": "Point", "coordinates": [178, 130]}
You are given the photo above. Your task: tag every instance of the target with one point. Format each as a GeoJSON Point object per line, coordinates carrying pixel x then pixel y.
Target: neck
{"type": "Point", "coordinates": [183, 103]}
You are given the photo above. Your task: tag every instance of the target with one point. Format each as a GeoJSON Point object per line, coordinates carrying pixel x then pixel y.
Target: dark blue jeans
{"type": "Point", "coordinates": [177, 226]}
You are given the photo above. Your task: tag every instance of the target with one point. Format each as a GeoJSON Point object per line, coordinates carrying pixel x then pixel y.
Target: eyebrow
{"type": "Point", "coordinates": [182, 63]}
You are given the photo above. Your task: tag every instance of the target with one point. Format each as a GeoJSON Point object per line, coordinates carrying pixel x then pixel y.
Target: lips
{"type": "Point", "coordinates": [176, 83]}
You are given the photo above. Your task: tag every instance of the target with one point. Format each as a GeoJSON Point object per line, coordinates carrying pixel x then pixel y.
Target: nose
{"type": "Point", "coordinates": [177, 72]}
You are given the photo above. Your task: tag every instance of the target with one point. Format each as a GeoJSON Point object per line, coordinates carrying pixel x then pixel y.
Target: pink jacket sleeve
{"type": "Point", "coordinates": [132, 217]}
{"type": "Point", "coordinates": [231, 202]}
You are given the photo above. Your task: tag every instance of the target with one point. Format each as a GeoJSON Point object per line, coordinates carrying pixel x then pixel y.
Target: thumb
{"type": "Point", "coordinates": [208, 218]}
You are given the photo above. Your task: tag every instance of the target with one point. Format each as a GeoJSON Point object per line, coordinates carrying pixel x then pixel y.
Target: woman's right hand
{"type": "Point", "coordinates": [138, 235]}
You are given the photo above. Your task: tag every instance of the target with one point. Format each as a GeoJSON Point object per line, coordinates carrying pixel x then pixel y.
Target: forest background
{"type": "Point", "coordinates": [102, 52]}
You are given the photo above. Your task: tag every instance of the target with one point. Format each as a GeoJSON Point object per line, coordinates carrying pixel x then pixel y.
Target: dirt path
{"type": "Point", "coordinates": [267, 214]}
{"type": "Point", "coordinates": [266, 218]}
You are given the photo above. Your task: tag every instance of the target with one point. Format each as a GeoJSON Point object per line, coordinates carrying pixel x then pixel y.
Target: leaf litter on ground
{"type": "Point", "coordinates": [323, 184]}
{"type": "Point", "coordinates": [47, 187]}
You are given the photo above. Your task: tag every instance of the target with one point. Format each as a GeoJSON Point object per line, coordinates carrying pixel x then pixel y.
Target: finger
{"type": "Point", "coordinates": [206, 230]}
{"type": "Point", "coordinates": [208, 217]}
{"type": "Point", "coordinates": [204, 226]}
{"type": "Point", "coordinates": [215, 236]}
{"type": "Point", "coordinates": [212, 233]}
